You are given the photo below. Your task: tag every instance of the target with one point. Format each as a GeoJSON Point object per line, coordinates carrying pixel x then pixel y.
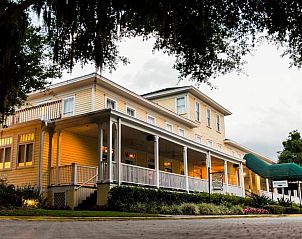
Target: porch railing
{"type": "Point", "coordinates": [137, 175]}
{"type": "Point", "coordinates": [198, 185]}
{"type": "Point", "coordinates": [47, 111]}
{"type": "Point", "coordinates": [236, 190]}
{"type": "Point", "coordinates": [172, 180]}
{"type": "Point", "coordinates": [277, 196]}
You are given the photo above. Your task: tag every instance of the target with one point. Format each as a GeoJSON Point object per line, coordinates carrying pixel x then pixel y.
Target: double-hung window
{"type": "Point", "coordinates": [130, 111]}
{"type": "Point", "coordinates": [68, 106]}
{"type": "Point", "coordinates": [198, 139]}
{"type": "Point", "coordinates": [5, 152]}
{"type": "Point", "coordinates": [181, 132]}
{"type": "Point", "coordinates": [169, 127]}
{"type": "Point", "coordinates": [181, 105]}
{"type": "Point", "coordinates": [26, 149]}
{"type": "Point", "coordinates": [218, 126]}
{"type": "Point", "coordinates": [111, 104]}
{"type": "Point", "coordinates": [197, 111]}
{"type": "Point", "coordinates": [151, 119]}
{"type": "Point", "coordinates": [208, 117]}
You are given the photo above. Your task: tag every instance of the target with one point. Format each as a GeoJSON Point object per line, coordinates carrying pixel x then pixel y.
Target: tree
{"type": "Point", "coordinates": [207, 37]}
{"type": "Point", "coordinates": [292, 152]}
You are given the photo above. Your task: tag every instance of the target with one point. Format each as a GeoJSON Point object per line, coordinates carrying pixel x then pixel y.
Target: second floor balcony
{"type": "Point", "coordinates": [47, 111]}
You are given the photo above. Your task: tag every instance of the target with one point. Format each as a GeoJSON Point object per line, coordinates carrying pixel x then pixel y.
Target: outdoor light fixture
{"type": "Point", "coordinates": [168, 164]}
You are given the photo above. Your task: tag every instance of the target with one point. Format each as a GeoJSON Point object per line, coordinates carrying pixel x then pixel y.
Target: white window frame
{"type": "Point", "coordinates": [198, 138]}
{"type": "Point", "coordinates": [151, 116]}
{"type": "Point", "coordinates": [5, 147]}
{"type": "Point", "coordinates": [197, 112]}
{"type": "Point", "coordinates": [26, 143]}
{"type": "Point", "coordinates": [185, 108]}
{"type": "Point", "coordinates": [181, 130]}
{"type": "Point", "coordinates": [73, 108]}
{"type": "Point", "coordinates": [208, 117]}
{"type": "Point", "coordinates": [131, 108]}
{"type": "Point", "coordinates": [115, 103]}
{"type": "Point", "coordinates": [169, 125]}
{"type": "Point", "coordinates": [219, 147]}
{"type": "Point", "coordinates": [210, 143]}
{"type": "Point", "coordinates": [218, 123]}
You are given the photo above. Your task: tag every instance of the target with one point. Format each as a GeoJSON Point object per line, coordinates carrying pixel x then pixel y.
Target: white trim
{"type": "Point", "coordinates": [218, 121]}
{"type": "Point", "coordinates": [210, 116]}
{"type": "Point", "coordinates": [63, 106]}
{"type": "Point", "coordinates": [185, 101]}
{"type": "Point", "coordinates": [151, 116]}
{"type": "Point", "coordinates": [198, 138]}
{"type": "Point", "coordinates": [210, 143]}
{"type": "Point", "coordinates": [131, 108]}
{"type": "Point", "coordinates": [198, 119]}
{"type": "Point", "coordinates": [115, 103]}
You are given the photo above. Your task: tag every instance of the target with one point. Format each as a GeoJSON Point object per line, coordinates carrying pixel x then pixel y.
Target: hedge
{"type": "Point", "coordinates": [123, 197]}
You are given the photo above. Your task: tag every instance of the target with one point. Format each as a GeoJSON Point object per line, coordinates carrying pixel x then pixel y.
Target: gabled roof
{"type": "Point", "coordinates": [187, 89]}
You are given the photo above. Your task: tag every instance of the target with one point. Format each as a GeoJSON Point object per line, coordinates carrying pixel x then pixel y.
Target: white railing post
{"type": "Point", "coordinates": [156, 159]}
{"type": "Point", "coordinates": [100, 153]}
{"type": "Point", "coordinates": [74, 174]}
{"type": "Point", "coordinates": [209, 175]}
{"type": "Point", "coordinates": [109, 151]}
{"type": "Point", "coordinates": [185, 159]}
{"type": "Point", "coordinates": [226, 178]}
{"type": "Point", "coordinates": [241, 179]}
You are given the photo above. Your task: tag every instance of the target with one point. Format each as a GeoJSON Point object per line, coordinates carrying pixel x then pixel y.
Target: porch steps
{"type": "Point", "coordinates": [88, 203]}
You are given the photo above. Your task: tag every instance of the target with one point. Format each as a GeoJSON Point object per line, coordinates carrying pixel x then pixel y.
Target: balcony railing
{"type": "Point", "coordinates": [47, 111]}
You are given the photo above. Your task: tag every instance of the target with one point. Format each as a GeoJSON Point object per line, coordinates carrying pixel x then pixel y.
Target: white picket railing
{"type": "Point", "coordinates": [137, 175]}
{"type": "Point", "coordinates": [236, 190]}
{"type": "Point", "coordinates": [277, 196]}
{"type": "Point", "coordinates": [172, 180]}
{"type": "Point", "coordinates": [47, 111]}
{"type": "Point", "coordinates": [198, 185]}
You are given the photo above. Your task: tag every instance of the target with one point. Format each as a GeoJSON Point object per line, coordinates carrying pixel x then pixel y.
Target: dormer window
{"type": "Point", "coordinates": [181, 105]}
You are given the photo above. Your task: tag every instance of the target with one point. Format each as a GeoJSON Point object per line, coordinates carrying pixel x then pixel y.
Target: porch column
{"type": "Point", "coordinates": [41, 152]}
{"type": "Point", "coordinates": [267, 184]}
{"type": "Point", "coordinates": [241, 179]}
{"type": "Point", "coordinates": [156, 159]}
{"type": "Point", "coordinates": [119, 152]}
{"type": "Point", "coordinates": [209, 166]}
{"type": "Point", "coordinates": [185, 159]}
{"type": "Point", "coordinates": [109, 152]}
{"type": "Point", "coordinates": [226, 178]}
{"type": "Point", "coordinates": [58, 156]}
{"type": "Point", "coordinates": [100, 153]}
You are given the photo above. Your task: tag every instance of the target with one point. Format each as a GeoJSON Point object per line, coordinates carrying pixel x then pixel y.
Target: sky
{"type": "Point", "coordinates": [265, 101]}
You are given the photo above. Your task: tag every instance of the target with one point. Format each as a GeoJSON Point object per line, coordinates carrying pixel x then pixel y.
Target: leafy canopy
{"type": "Point", "coordinates": [207, 37]}
{"type": "Point", "coordinates": [292, 149]}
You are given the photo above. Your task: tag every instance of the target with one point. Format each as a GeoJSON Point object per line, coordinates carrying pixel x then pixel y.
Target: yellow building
{"type": "Point", "coordinates": [89, 134]}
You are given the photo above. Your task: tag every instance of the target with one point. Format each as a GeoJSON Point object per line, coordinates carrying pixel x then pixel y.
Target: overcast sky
{"type": "Point", "coordinates": [265, 102]}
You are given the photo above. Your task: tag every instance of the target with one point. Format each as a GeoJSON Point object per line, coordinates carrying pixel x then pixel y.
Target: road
{"type": "Point", "coordinates": [284, 227]}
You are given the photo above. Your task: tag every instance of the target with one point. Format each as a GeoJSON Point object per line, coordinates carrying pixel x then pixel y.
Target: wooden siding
{"type": "Point", "coordinates": [83, 101]}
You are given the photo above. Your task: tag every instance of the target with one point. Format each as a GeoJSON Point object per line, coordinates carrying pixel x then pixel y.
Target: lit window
{"type": "Point", "coordinates": [208, 117]}
{"type": "Point", "coordinates": [218, 122]}
{"type": "Point", "coordinates": [197, 111]}
{"type": "Point", "coordinates": [5, 152]}
{"type": "Point", "coordinates": [198, 139]}
{"type": "Point", "coordinates": [25, 149]}
{"type": "Point", "coordinates": [210, 144]}
{"type": "Point", "coordinates": [111, 104]}
{"type": "Point", "coordinates": [169, 127]}
{"type": "Point", "coordinates": [181, 132]}
{"type": "Point", "coordinates": [151, 119]}
{"type": "Point", "coordinates": [181, 105]}
{"type": "Point", "coordinates": [68, 106]}
{"type": "Point", "coordinates": [130, 111]}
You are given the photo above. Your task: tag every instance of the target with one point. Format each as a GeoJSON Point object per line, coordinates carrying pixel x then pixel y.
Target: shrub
{"type": "Point", "coordinates": [189, 209]}
{"type": "Point", "coordinates": [255, 211]}
{"type": "Point", "coordinates": [284, 202]}
{"type": "Point", "coordinates": [259, 201]}
{"type": "Point", "coordinates": [275, 209]}
{"type": "Point", "coordinates": [292, 210]}
{"type": "Point", "coordinates": [171, 210]}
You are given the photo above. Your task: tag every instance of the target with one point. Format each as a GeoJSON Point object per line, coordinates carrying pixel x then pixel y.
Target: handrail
{"type": "Point", "coordinates": [82, 184]}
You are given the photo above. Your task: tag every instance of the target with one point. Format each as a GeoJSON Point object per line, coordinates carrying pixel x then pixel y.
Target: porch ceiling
{"type": "Point", "coordinates": [87, 130]}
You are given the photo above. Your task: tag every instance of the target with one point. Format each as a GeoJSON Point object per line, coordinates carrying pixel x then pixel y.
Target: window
{"type": "Point", "coordinates": [130, 111]}
{"type": "Point", "coordinates": [151, 119]}
{"type": "Point", "coordinates": [210, 143]}
{"type": "Point", "coordinates": [218, 123]}
{"type": "Point", "coordinates": [169, 127]}
{"type": "Point", "coordinates": [111, 104]}
{"type": "Point", "coordinates": [219, 147]}
{"type": "Point", "coordinates": [198, 139]}
{"type": "Point", "coordinates": [5, 152]}
{"type": "Point", "coordinates": [181, 132]}
{"type": "Point", "coordinates": [68, 106]}
{"type": "Point", "coordinates": [181, 105]}
{"type": "Point", "coordinates": [239, 156]}
{"type": "Point", "coordinates": [208, 117]}
{"type": "Point", "coordinates": [197, 111]}
{"type": "Point", "coordinates": [26, 149]}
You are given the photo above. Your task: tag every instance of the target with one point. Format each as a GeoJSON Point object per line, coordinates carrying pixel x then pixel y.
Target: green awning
{"type": "Point", "coordinates": [285, 171]}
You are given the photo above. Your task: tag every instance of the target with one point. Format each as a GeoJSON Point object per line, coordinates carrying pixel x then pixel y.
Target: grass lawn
{"type": "Point", "coordinates": [69, 213]}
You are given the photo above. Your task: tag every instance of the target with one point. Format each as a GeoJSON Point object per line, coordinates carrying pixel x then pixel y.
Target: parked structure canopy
{"type": "Point", "coordinates": [285, 171]}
